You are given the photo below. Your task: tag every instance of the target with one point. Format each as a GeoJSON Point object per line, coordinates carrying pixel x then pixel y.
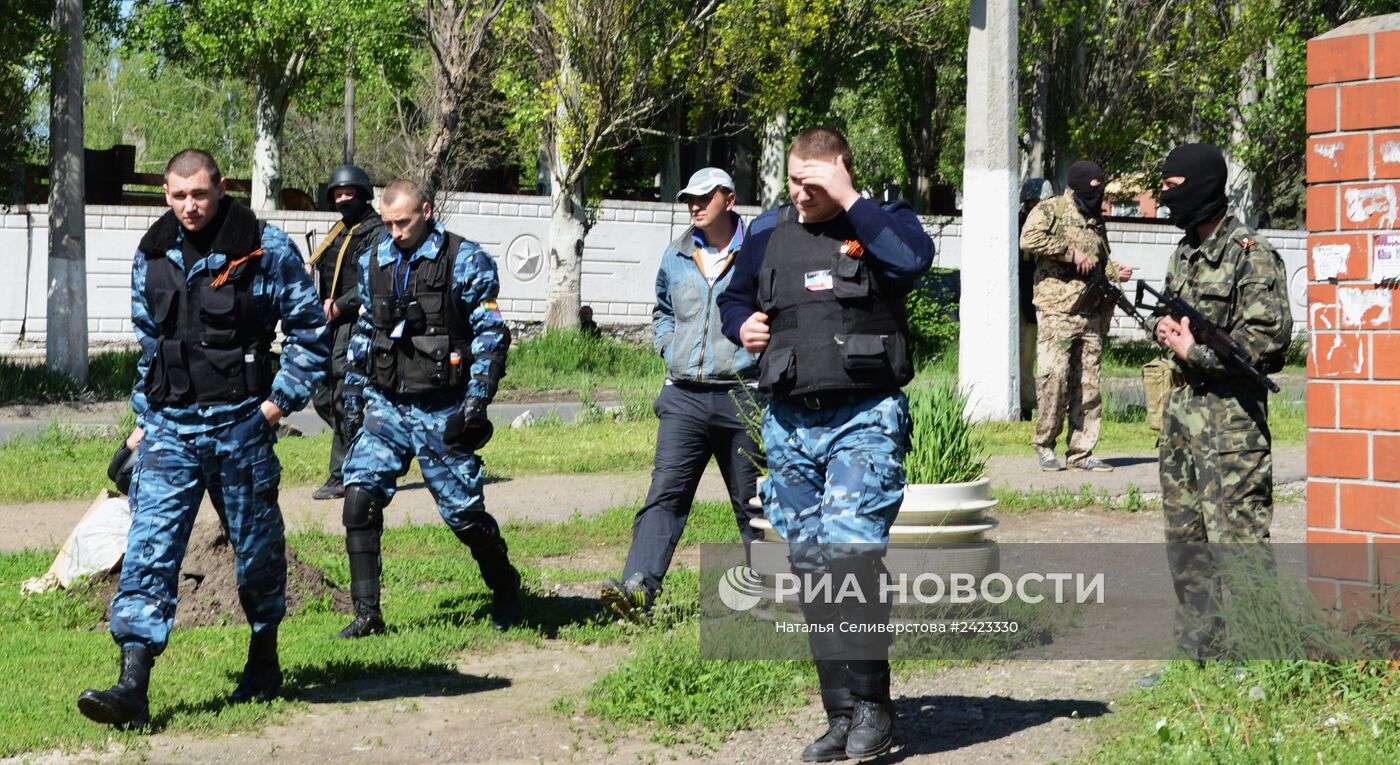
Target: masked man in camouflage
{"type": "Point", "coordinates": [1066, 235]}
{"type": "Point", "coordinates": [1216, 463]}
{"type": "Point", "coordinates": [209, 285]}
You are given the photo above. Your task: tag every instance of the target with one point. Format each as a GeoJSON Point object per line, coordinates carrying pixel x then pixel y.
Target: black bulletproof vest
{"type": "Point", "coordinates": [212, 346]}
{"type": "Point", "coordinates": [835, 325]}
{"type": "Point", "coordinates": [420, 358]}
{"type": "Point", "coordinates": [367, 232]}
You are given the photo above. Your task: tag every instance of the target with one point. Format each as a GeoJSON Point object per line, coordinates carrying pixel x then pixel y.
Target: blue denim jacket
{"type": "Point", "coordinates": [686, 322]}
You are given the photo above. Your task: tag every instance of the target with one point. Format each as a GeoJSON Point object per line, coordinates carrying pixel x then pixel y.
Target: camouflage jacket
{"type": "Point", "coordinates": [282, 292]}
{"type": "Point", "coordinates": [1236, 279]}
{"type": "Point", "coordinates": [475, 285]}
{"type": "Point", "coordinates": [1053, 231]}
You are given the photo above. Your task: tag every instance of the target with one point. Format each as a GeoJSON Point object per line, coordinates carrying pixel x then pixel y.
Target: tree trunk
{"type": "Point", "coordinates": [1242, 192]}
{"type": "Point", "coordinates": [669, 180]}
{"type": "Point", "coordinates": [270, 114]}
{"type": "Point", "coordinates": [1038, 125]}
{"type": "Point", "coordinates": [772, 160]}
{"type": "Point", "coordinates": [67, 333]}
{"type": "Point", "coordinates": [743, 167]}
{"type": "Point", "coordinates": [568, 225]}
{"type": "Point", "coordinates": [349, 154]}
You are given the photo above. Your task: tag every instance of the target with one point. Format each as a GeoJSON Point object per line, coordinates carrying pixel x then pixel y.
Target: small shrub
{"type": "Point", "coordinates": [932, 308]}
{"type": "Point", "coordinates": [944, 446]}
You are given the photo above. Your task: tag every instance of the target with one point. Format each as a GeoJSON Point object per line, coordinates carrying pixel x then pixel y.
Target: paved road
{"type": "Point", "coordinates": [103, 415]}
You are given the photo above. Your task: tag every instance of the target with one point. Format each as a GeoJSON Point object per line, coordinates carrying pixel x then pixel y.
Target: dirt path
{"type": "Point", "coordinates": [499, 707]}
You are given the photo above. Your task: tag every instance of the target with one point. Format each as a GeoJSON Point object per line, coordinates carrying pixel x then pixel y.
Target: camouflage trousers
{"type": "Point", "coordinates": [1068, 350]}
{"type": "Point", "coordinates": [1217, 491]}
{"type": "Point", "coordinates": [837, 475]}
{"type": "Point", "coordinates": [396, 432]}
{"type": "Point", "coordinates": [236, 465]}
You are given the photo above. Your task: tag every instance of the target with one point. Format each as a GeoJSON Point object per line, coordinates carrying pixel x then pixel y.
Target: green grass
{"type": "Point", "coordinates": [110, 377]}
{"type": "Point", "coordinates": [1272, 712]}
{"type": "Point", "coordinates": [437, 608]}
{"type": "Point", "coordinates": [572, 361]}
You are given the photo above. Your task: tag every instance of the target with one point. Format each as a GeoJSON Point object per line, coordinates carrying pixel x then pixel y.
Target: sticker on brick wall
{"type": "Point", "coordinates": [1385, 259]}
{"type": "Point", "coordinates": [1330, 260]}
{"type": "Point", "coordinates": [1390, 151]}
{"type": "Point", "coordinates": [1362, 204]}
{"type": "Point", "coordinates": [1329, 151]}
{"type": "Point", "coordinates": [1364, 308]}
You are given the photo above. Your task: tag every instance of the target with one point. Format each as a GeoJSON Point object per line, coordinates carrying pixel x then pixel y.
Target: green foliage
{"type": "Point", "coordinates": [110, 377]}
{"type": "Point", "coordinates": [572, 360]}
{"type": "Point", "coordinates": [932, 310]}
{"type": "Point", "coordinates": [943, 446]}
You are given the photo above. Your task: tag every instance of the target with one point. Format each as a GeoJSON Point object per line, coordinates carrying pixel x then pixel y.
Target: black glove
{"type": "Point", "coordinates": [352, 408]}
{"type": "Point", "coordinates": [467, 428]}
{"type": "Point", "coordinates": [120, 468]}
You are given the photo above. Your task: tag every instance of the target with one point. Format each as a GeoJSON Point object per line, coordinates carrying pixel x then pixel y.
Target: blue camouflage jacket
{"type": "Point", "coordinates": [282, 291]}
{"type": "Point", "coordinates": [475, 285]}
{"type": "Point", "coordinates": [685, 322]}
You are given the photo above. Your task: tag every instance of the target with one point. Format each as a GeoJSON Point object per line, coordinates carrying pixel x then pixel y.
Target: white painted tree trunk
{"type": "Point", "coordinates": [66, 336]}
{"type": "Point", "coordinates": [568, 225]}
{"type": "Point", "coordinates": [268, 116]}
{"type": "Point", "coordinates": [989, 335]}
{"type": "Point", "coordinates": [772, 159]}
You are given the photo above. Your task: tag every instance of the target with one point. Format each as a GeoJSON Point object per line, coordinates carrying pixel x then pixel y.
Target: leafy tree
{"type": "Point", "coordinates": [605, 69]}
{"type": "Point", "coordinates": [284, 48]}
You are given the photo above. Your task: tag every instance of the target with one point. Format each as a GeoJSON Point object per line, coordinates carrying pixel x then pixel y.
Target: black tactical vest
{"type": "Point", "coordinates": [835, 326]}
{"type": "Point", "coordinates": [367, 233]}
{"type": "Point", "coordinates": [212, 346]}
{"type": "Point", "coordinates": [417, 329]}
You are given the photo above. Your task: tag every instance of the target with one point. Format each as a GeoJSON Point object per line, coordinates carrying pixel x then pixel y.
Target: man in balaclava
{"type": "Point", "coordinates": [336, 263]}
{"type": "Point", "coordinates": [1066, 235]}
{"type": "Point", "coordinates": [1215, 461]}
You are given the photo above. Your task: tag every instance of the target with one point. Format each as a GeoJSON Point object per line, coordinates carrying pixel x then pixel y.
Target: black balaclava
{"type": "Point", "coordinates": [1201, 197]}
{"type": "Point", "coordinates": [354, 209]}
{"type": "Point", "coordinates": [1089, 197]}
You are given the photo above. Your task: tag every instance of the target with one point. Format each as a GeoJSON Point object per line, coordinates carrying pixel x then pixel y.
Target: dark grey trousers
{"type": "Point", "coordinates": [697, 423]}
{"type": "Point", "coordinates": [326, 399]}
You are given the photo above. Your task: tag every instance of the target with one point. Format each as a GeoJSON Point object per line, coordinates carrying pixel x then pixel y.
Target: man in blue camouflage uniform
{"type": "Point", "coordinates": [209, 284]}
{"type": "Point", "coordinates": [820, 291]}
{"type": "Point", "coordinates": [426, 356]}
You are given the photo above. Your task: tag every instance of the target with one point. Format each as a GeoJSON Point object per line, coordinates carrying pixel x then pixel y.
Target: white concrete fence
{"type": "Point", "coordinates": [619, 270]}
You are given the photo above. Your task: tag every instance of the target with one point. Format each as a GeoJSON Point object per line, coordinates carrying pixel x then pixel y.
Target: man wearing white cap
{"type": "Point", "coordinates": [702, 405]}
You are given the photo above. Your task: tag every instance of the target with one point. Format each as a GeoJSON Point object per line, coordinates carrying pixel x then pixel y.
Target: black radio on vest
{"type": "Point", "coordinates": [835, 325]}
{"type": "Point", "coordinates": [417, 328]}
{"type": "Point", "coordinates": [213, 346]}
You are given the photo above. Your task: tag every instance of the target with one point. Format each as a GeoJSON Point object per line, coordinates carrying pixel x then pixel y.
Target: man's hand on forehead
{"type": "Point", "coordinates": [831, 176]}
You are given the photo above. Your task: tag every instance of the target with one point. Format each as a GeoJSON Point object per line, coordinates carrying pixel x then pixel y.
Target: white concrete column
{"type": "Point", "coordinates": [987, 366]}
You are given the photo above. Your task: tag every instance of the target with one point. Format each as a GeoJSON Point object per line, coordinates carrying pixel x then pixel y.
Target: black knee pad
{"type": "Point", "coordinates": [363, 509]}
{"type": "Point", "coordinates": [481, 530]}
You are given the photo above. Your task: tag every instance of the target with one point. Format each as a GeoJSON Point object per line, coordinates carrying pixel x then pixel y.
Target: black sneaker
{"type": "Point", "coordinates": [632, 600]}
{"type": "Point", "coordinates": [331, 489]}
{"type": "Point", "coordinates": [872, 729]}
{"type": "Point", "coordinates": [831, 747]}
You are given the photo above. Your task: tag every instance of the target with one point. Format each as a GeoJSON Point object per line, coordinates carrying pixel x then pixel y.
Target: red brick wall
{"type": "Point", "coordinates": [1353, 150]}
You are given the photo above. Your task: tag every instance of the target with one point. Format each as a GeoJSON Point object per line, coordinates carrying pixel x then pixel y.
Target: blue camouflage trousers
{"type": "Point", "coordinates": [396, 432]}
{"type": "Point", "coordinates": [236, 465]}
{"type": "Point", "coordinates": [837, 475]}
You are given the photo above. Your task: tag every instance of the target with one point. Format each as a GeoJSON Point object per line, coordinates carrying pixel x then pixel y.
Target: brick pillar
{"type": "Point", "coordinates": [1353, 153]}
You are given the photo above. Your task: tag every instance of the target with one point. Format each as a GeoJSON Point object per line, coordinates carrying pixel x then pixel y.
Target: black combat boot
{"type": "Point", "coordinates": [124, 704]}
{"type": "Point", "coordinates": [836, 700]}
{"type": "Point", "coordinates": [483, 538]}
{"type": "Point", "coordinates": [872, 729]}
{"type": "Point", "coordinates": [262, 675]}
{"type": "Point", "coordinates": [364, 525]}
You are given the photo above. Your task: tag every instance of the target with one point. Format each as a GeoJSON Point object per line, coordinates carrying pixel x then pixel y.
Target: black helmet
{"type": "Point", "coordinates": [351, 175]}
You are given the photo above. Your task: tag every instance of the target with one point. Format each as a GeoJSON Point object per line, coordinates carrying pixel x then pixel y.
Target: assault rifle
{"type": "Point", "coordinates": [1204, 330]}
